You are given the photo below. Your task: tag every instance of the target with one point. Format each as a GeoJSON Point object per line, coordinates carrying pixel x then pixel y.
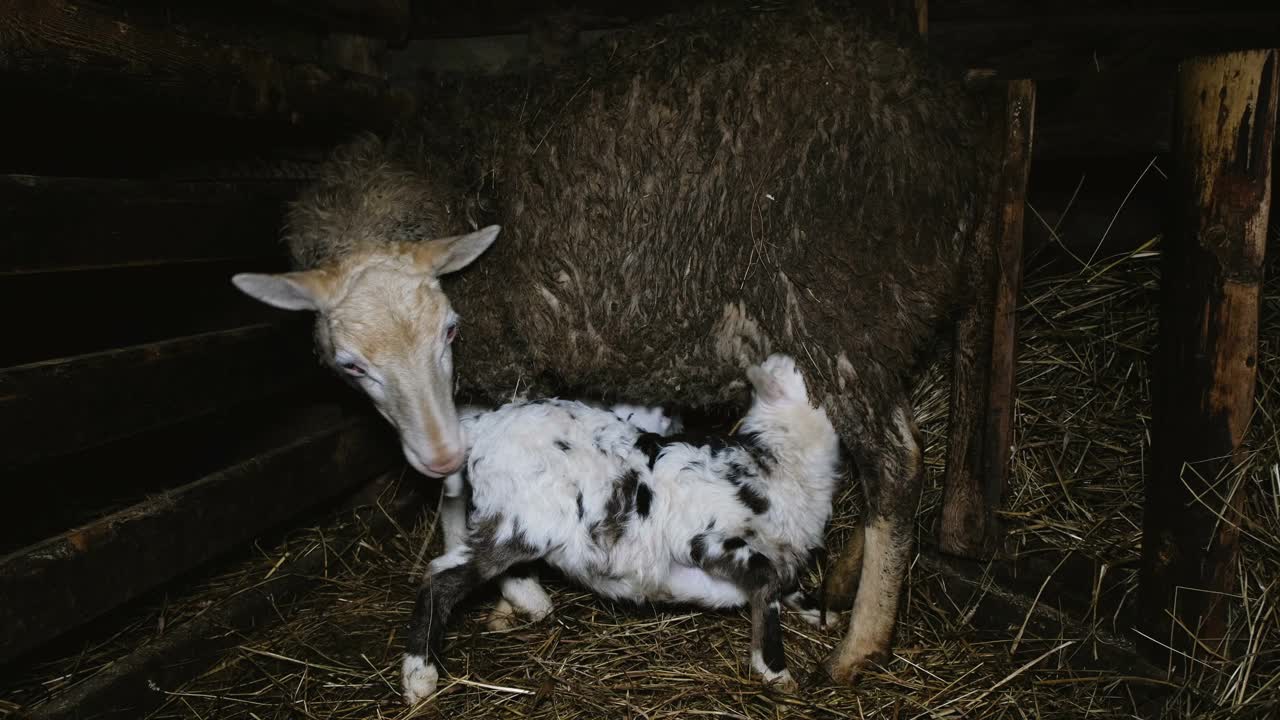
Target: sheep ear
{"type": "Point", "coordinates": [765, 383]}
{"type": "Point", "coordinates": [305, 290]}
{"type": "Point", "coordinates": [445, 255]}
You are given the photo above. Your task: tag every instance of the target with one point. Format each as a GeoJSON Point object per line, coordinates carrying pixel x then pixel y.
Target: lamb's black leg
{"type": "Point", "coordinates": [437, 597]}
{"type": "Point", "coordinates": [755, 573]}
{"type": "Point", "coordinates": [805, 604]}
{"type": "Point", "coordinates": [767, 656]}
{"type": "Point", "coordinates": [452, 577]}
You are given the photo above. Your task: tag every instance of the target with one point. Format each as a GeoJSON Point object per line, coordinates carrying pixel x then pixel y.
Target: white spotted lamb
{"type": "Point", "coordinates": [715, 522]}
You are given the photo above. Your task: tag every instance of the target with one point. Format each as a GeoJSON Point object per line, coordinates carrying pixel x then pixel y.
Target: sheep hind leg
{"type": "Point", "coordinates": [844, 574]}
{"type": "Point", "coordinates": [893, 472]}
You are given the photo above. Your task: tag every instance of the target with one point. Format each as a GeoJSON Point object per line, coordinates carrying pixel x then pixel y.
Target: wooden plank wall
{"type": "Point", "coordinates": [154, 417]}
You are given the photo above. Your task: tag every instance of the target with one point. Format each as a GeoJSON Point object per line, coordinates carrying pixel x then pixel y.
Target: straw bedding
{"type": "Point", "coordinates": [1081, 437]}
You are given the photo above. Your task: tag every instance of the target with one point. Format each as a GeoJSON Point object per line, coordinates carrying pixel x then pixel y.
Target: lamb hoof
{"type": "Point", "coordinates": [420, 679]}
{"type": "Point", "coordinates": [783, 682]}
{"type": "Point", "coordinates": [813, 618]}
{"type": "Point", "coordinates": [537, 609]}
{"type": "Point", "coordinates": [779, 680]}
{"type": "Point", "coordinates": [500, 621]}
{"type": "Point", "coordinates": [526, 597]}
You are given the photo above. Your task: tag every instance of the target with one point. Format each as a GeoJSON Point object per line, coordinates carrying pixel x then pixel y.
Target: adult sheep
{"type": "Point", "coordinates": [688, 198]}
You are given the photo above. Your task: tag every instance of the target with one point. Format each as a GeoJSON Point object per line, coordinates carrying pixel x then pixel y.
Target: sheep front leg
{"type": "Point", "coordinates": [893, 476]}
{"type": "Point", "coordinates": [844, 574]}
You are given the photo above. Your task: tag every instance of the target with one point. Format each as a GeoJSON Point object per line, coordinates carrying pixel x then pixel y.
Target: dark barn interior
{"type": "Point", "coordinates": [198, 520]}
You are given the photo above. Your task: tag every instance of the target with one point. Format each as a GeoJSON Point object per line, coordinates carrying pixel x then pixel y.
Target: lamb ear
{"type": "Point", "coordinates": [304, 290]}
{"type": "Point", "coordinates": [765, 383]}
{"type": "Point", "coordinates": [445, 255]}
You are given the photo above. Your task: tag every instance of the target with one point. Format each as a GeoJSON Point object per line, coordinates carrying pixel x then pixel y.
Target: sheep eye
{"type": "Point", "coordinates": [451, 332]}
{"type": "Point", "coordinates": [352, 368]}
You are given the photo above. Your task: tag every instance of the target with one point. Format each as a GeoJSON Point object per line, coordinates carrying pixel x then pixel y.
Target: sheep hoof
{"type": "Point", "coordinates": [844, 666]}
{"type": "Point", "coordinates": [420, 679]}
{"type": "Point", "coordinates": [843, 673]}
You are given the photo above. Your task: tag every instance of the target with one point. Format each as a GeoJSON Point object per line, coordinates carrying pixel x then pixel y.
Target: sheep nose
{"type": "Point", "coordinates": [446, 467]}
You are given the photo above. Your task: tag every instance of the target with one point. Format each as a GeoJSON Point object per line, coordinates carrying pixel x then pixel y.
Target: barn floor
{"type": "Point", "coordinates": [1085, 338]}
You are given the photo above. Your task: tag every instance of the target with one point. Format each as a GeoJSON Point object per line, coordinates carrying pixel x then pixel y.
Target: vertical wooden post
{"type": "Point", "coordinates": [985, 348]}
{"type": "Point", "coordinates": [1211, 278]}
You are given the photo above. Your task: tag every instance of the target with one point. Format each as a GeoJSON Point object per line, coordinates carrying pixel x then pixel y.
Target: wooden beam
{"type": "Point", "coordinates": [61, 406]}
{"type": "Point", "coordinates": [1066, 44]}
{"type": "Point", "coordinates": [103, 58]}
{"type": "Point", "coordinates": [1010, 42]}
{"type": "Point", "coordinates": [388, 19]}
{"type": "Point", "coordinates": [996, 9]}
{"type": "Point", "coordinates": [63, 223]}
{"type": "Point", "coordinates": [1211, 278]}
{"type": "Point", "coordinates": [127, 687]}
{"type": "Point", "coordinates": [83, 486]}
{"type": "Point", "coordinates": [66, 581]}
{"type": "Point", "coordinates": [54, 315]}
{"type": "Point", "coordinates": [981, 432]}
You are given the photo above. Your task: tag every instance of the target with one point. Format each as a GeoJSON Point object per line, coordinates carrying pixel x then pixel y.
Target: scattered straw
{"type": "Point", "coordinates": [1076, 486]}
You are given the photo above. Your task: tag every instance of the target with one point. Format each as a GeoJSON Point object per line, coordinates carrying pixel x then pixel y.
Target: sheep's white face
{"type": "Point", "coordinates": [384, 324]}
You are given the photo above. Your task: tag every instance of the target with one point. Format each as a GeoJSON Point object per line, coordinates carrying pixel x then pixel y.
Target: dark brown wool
{"type": "Point", "coordinates": [802, 170]}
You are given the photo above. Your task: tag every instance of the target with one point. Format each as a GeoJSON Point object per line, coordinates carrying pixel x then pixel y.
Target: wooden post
{"type": "Point", "coordinates": [985, 350]}
{"type": "Point", "coordinates": [1224, 128]}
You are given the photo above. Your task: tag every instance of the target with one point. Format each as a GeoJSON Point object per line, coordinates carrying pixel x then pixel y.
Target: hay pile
{"type": "Point", "coordinates": [1081, 439]}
